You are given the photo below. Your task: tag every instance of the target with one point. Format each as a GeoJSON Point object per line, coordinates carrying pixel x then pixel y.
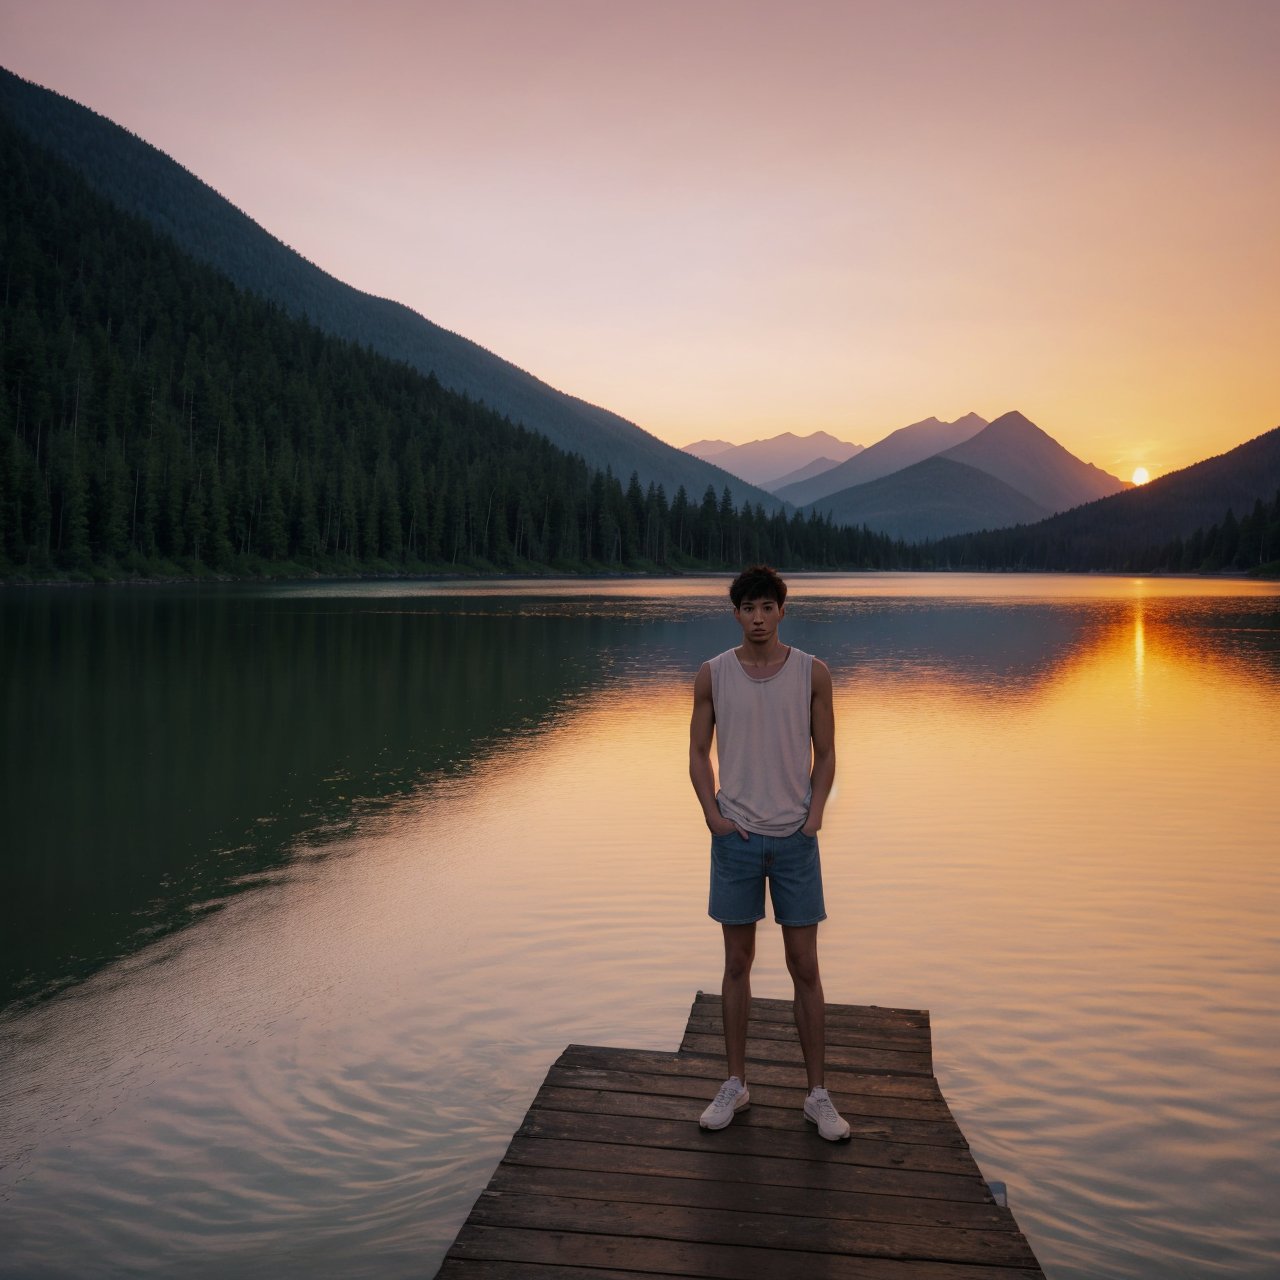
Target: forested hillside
{"type": "Point", "coordinates": [156, 419]}
{"type": "Point", "coordinates": [139, 179]}
{"type": "Point", "coordinates": [1245, 544]}
{"type": "Point", "coordinates": [1222, 513]}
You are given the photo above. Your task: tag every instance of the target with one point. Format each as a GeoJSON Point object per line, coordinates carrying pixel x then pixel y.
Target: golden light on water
{"type": "Point", "coordinates": [1139, 646]}
{"type": "Point", "coordinates": [1141, 475]}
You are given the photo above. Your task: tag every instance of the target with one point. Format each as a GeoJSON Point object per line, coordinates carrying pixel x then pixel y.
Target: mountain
{"type": "Point", "coordinates": [760, 460]}
{"type": "Point", "coordinates": [814, 468]}
{"type": "Point", "coordinates": [928, 500]}
{"type": "Point", "coordinates": [1015, 450]}
{"type": "Point", "coordinates": [1126, 530]}
{"type": "Point", "coordinates": [706, 449]}
{"type": "Point", "coordinates": [897, 450]}
{"type": "Point", "coordinates": [142, 180]}
{"type": "Point", "coordinates": [160, 421]}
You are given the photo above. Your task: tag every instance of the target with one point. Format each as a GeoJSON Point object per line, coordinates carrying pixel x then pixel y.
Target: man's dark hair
{"type": "Point", "coordinates": [758, 582]}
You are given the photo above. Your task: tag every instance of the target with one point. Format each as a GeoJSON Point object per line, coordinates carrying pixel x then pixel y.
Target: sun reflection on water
{"type": "Point", "coordinates": [1139, 644]}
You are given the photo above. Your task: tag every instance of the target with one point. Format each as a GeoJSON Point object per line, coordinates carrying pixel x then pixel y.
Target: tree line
{"type": "Point", "coordinates": [1245, 544]}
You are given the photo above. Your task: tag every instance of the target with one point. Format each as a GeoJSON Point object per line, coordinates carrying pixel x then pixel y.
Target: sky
{"type": "Point", "coordinates": [733, 219]}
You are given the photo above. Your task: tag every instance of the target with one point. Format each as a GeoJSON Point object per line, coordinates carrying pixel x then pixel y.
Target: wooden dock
{"type": "Point", "coordinates": [611, 1177]}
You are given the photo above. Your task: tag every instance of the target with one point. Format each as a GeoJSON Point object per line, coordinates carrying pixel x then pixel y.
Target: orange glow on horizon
{"type": "Point", "coordinates": [733, 229]}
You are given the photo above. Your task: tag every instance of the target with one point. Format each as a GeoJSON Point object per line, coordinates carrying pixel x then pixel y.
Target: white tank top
{"type": "Point", "coordinates": [763, 743]}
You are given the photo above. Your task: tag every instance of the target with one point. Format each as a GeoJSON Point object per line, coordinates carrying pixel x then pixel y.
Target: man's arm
{"type": "Point", "coordinates": [822, 726]}
{"type": "Point", "coordinates": [701, 773]}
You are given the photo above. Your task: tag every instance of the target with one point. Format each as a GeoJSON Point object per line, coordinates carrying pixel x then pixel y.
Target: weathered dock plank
{"type": "Point", "coordinates": [710, 1068]}
{"type": "Point", "coordinates": [610, 1175]}
{"type": "Point", "coordinates": [870, 1115]}
{"type": "Point", "coordinates": [631, 1256]}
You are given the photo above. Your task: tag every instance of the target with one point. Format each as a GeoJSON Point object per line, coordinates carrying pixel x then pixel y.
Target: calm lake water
{"type": "Point", "coordinates": [304, 887]}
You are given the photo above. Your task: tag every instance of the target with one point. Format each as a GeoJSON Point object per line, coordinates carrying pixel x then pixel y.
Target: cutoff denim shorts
{"type": "Point", "coordinates": [740, 867]}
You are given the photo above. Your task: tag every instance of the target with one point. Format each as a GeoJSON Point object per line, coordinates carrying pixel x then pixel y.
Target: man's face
{"type": "Point", "coordinates": [759, 619]}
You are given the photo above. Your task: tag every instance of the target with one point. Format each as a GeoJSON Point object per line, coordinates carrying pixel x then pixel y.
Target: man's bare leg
{"type": "Point", "coordinates": [735, 993]}
{"type": "Point", "coordinates": [801, 945]}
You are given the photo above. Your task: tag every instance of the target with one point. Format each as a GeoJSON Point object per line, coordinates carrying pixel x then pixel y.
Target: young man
{"type": "Point", "coordinates": [769, 708]}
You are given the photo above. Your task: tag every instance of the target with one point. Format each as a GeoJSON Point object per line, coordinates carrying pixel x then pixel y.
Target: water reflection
{"type": "Point", "coordinates": [166, 749]}
{"type": "Point", "coordinates": [1054, 828]}
{"type": "Point", "coordinates": [1139, 643]}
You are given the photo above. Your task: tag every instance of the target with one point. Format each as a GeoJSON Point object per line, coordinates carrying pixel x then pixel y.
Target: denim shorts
{"type": "Point", "coordinates": [740, 867]}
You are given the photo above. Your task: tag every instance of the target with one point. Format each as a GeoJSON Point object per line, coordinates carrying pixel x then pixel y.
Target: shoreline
{"type": "Point", "coordinates": [622, 574]}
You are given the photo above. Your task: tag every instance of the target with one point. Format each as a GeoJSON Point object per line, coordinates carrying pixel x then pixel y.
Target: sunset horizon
{"type": "Point", "coordinates": [725, 222]}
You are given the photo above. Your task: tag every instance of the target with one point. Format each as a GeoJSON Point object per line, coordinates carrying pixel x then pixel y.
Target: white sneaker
{"type": "Point", "coordinates": [820, 1110]}
{"type": "Point", "coordinates": [733, 1097]}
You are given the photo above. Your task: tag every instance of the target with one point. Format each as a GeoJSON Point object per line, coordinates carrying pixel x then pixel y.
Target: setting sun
{"type": "Point", "coordinates": [1141, 475]}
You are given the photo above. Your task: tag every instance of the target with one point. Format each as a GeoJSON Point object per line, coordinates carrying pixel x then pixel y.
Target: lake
{"type": "Point", "coordinates": [305, 886]}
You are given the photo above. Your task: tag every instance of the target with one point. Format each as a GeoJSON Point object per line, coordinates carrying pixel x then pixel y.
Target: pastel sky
{"type": "Point", "coordinates": [732, 219]}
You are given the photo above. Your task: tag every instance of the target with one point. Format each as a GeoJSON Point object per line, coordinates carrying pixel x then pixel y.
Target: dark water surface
{"type": "Point", "coordinates": [303, 888]}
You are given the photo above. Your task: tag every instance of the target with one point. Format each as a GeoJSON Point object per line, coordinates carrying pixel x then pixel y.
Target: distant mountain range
{"type": "Point", "coordinates": [1002, 473]}
{"type": "Point", "coordinates": [139, 179]}
{"type": "Point", "coordinates": [814, 468]}
{"type": "Point", "coordinates": [1016, 451]}
{"type": "Point", "coordinates": [897, 450]}
{"type": "Point", "coordinates": [773, 461]}
{"type": "Point", "coordinates": [707, 448]}
{"type": "Point", "coordinates": [930, 500]}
